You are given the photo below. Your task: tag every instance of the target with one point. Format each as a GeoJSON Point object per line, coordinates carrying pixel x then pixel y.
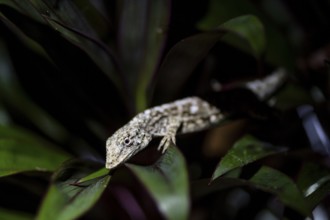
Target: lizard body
{"type": "Point", "coordinates": [179, 117]}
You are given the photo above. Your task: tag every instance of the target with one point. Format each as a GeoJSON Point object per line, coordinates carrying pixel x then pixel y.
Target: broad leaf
{"type": "Point", "coordinates": [321, 191]}
{"type": "Point", "coordinates": [141, 37]}
{"type": "Point", "coordinates": [251, 29]}
{"type": "Point", "coordinates": [314, 182]}
{"type": "Point", "coordinates": [279, 50]}
{"type": "Point", "coordinates": [14, 96]}
{"type": "Point", "coordinates": [19, 156]}
{"type": "Point", "coordinates": [183, 58]}
{"type": "Point", "coordinates": [224, 10]}
{"type": "Point", "coordinates": [66, 197]}
{"type": "Point", "coordinates": [26, 40]}
{"type": "Point", "coordinates": [266, 179]}
{"type": "Point", "coordinates": [24, 7]}
{"type": "Point", "coordinates": [14, 215]}
{"type": "Point", "coordinates": [96, 18]}
{"type": "Point", "coordinates": [99, 173]}
{"type": "Point", "coordinates": [167, 182]}
{"type": "Point", "coordinates": [275, 182]}
{"type": "Point", "coordinates": [19, 134]}
{"type": "Point", "coordinates": [22, 151]}
{"type": "Point", "coordinates": [292, 96]}
{"type": "Point", "coordinates": [65, 17]}
{"type": "Point", "coordinates": [245, 151]}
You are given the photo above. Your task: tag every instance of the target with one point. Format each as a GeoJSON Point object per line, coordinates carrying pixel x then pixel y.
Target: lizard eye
{"type": "Point", "coordinates": [127, 142]}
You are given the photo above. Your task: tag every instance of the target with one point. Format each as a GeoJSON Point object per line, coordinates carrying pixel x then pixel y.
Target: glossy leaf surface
{"type": "Point", "coordinates": [167, 183]}
{"type": "Point", "coordinates": [141, 37]}
{"type": "Point", "coordinates": [275, 182]}
{"type": "Point", "coordinates": [66, 198]}
{"type": "Point", "coordinates": [245, 151]}
{"type": "Point", "coordinates": [21, 151]}
{"type": "Point", "coordinates": [183, 58]}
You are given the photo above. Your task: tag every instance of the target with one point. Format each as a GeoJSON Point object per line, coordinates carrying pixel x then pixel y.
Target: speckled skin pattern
{"type": "Point", "coordinates": [182, 116]}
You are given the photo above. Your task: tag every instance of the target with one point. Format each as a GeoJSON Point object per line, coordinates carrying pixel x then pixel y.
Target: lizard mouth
{"type": "Point", "coordinates": [113, 163]}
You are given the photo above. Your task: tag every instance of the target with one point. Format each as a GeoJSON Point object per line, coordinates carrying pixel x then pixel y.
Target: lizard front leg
{"type": "Point", "coordinates": [169, 136]}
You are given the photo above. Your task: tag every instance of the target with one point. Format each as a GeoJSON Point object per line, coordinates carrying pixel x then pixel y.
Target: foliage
{"type": "Point", "coordinates": [72, 72]}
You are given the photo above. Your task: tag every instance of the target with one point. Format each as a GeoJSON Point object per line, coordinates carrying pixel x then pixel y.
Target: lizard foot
{"type": "Point", "coordinates": [166, 142]}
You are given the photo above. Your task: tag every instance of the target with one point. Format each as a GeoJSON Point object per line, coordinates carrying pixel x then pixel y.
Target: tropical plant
{"type": "Point", "coordinates": [72, 72]}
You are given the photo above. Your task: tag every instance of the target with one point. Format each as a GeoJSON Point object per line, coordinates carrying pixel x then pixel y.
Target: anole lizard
{"type": "Point", "coordinates": [180, 117]}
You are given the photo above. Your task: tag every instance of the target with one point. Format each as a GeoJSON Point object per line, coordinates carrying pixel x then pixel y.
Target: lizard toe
{"type": "Point", "coordinates": [173, 140]}
{"type": "Point", "coordinates": [168, 142]}
{"type": "Point", "coordinates": [161, 144]}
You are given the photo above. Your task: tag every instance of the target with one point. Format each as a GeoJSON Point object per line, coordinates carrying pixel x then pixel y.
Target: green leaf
{"type": "Point", "coordinates": [95, 17]}
{"type": "Point", "coordinates": [292, 96]}
{"type": "Point", "coordinates": [21, 154]}
{"type": "Point", "coordinates": [141, 32]}
{"type": "Point", "coordinates": [99, 173]}
{"type": "Point", "coordinates": [223, 10]}
{"type": "Point", "coordinates": [156, 34]}
{"type": "Point", "coordinates": [13, 95]}
{"type": "Point", "coordinates": [66, 198]}
{"type": "Point", "coordinates": [25, 8]}
{"type": "Point", "coordinates": [220, 11]}
{"type": "Point", "coordinates": [310, 174]}
{"type": "Point", "coordinates": [321, 190]}
{"type": "Point", "coordinates": [245, 151]}
{"type": "Point", "coordinates": [67, 19]}
{"type": "Point", "coordinates": [167, 182]}
{"type": "Point", "coordinates": [183, 58]}
{"type": "Point", "coordinates": [273, 181]}
{"type": "Point", "coordinates": [14, 215]}
{"type": "Point", "coordinates": [22, 135]}
{"type": "Point", "coordinates": [251, 29]}
{"type": "Point", "coordinates": [266, 179]}
{"type": "Point", "coordinates": [280, 51]}
{"type": "Point", "coordinates": [21, 151]}
{"type": "Point", "coordinates": [26, 40]}
{"type": "Point", "coordinates": [314, 182]}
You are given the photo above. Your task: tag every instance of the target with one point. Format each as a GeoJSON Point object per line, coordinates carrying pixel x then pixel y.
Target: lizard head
{"type": "Point", "coordinates": [125, 143]}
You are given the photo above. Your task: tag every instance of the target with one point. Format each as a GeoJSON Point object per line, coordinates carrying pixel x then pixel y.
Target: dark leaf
{"type": "Point", "coordinates": [14, 215]}
{"type": "Point", "coordinates": [99, 173]}
{"type": "Point", "coordinates": [21, 151]}
{"type": "Point", "coordinates": [142, 30]}
{"type": "Point", "coordinates": [273, 181]}
{"type": "Point", "coordinates": [245, 151]}
{"type": "Point", "coordinates": [167, 182]}
{"type": "Point", "coordinates": [203, 187]}
{"type": "Point", "coordinates": [66, 197]}
{"type": "Point", "coordinates": [71, 23]}
{"type": "Point", "coordinates": [13, 95]}
{"type": "Point", "coordinates": [279, 50]}
{"type": "Point", "coordinates": [314, 182]}
{"type": "Point", "coordinates": [183, 58]}
{"type": "Point", "coordinates": [250, 29]}
{"type": "Point", "coordinates": [25, 8]}
{"type": "Point", "coordinates": [266, 179]}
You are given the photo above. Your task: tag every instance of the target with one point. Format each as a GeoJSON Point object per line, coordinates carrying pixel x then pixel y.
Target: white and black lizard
{"type": "Point", "coordinates": [183, 116]}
